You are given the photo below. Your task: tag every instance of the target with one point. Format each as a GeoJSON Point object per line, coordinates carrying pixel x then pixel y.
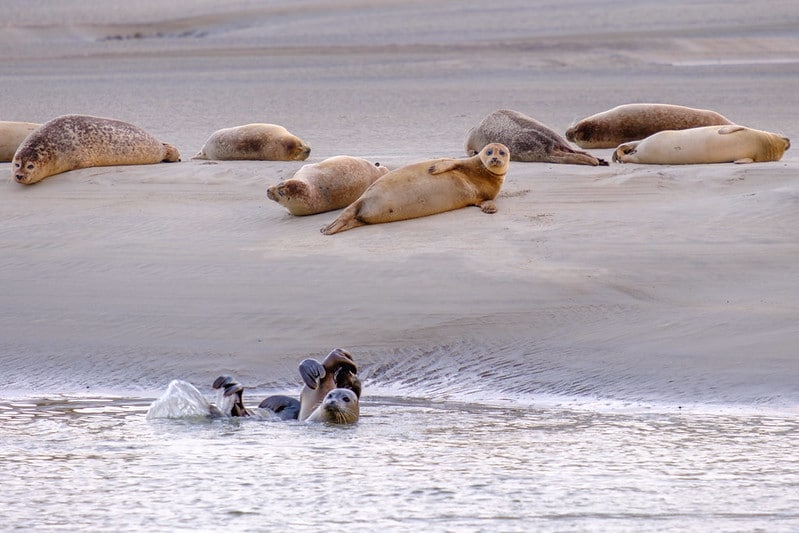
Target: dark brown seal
{"type": "Point", "coordinates": [633, 122]}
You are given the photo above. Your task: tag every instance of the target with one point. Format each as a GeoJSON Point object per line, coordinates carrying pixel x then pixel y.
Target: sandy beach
{"type": "Point", "coordinates": [629, 281]}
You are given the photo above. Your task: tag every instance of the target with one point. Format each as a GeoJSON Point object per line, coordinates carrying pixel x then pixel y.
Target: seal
{"type": "Point", "coordinates": [633, 122]}
{"type": "Point", "coordinates": [330, 184]}
{"type": "Point", "coordinates": [70, 142]}
{"type": "Point", "coordinates": [265, 142]}
{"type": "Point", "coordinates": [12, 134]}
{"type": "Point", "coordinates": [337, 370]}
{"type": "Point", "coordinates": [340, 406]}
{"type": "Point", "coordinates": [527, 139]}
{"type": "Point", "coordinates": [427, 188]}
{"type": "Point", "coordinates": [708, 144]}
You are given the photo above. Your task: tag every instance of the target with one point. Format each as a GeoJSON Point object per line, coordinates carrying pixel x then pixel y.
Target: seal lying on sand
{"type": "Point", "coordinates": [633, 122]}
{"type": "Point", "coordinates": [331, 184]}
{"type": "Point", "coordinates": [427, 188]}
{"type": "Point", "coordinates": [709, 144]}
{"type": "Point", "coordinates": [12, 134]}
{"type": "Point", "coordinates": [527, 139]}
{"type": "Point", "coordinates": [79, 141]}
{"type": "Point", "coordinates": [265, 142]}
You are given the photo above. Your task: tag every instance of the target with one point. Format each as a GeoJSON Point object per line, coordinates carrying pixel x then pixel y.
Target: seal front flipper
{"type": "Point", "coordinates": [488, 207]}
{"type": "Point", "coordinates": [285, 407]}
{"type": "Point", "coordinates": [443, 165]}
{"type": "Point", "coordinates": [311, 372]}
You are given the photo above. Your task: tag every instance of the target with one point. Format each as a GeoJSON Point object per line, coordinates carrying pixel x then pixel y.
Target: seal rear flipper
{"type": "Point", "coordinates": [285, 407]}
{"type": "Point", "coordinates": [311, 372]}
{"type": "Point", "coordinates": [348, 219]}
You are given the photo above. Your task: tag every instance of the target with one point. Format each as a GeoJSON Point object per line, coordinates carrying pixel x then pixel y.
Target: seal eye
{"type": "Point", "coordinates": [346, 399]}
{"type": "Point", "coordinates": [17, 165]}
{"type": "Point", "coordinates": [489, 152]}
{"type": "Point", "coordinates": [30, 166]}
{"type": "Point", "coordinates": [502, 152]}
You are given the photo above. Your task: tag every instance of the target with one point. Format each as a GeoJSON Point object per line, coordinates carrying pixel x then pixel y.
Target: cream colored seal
{"type": "Point", "coordinates": [709, 144]}
{"type": "Point", "coordinates": [633, 122]}
{"type": "Point", "coordinates": [79, 141]}
{"type": "Point", "coordinates": [12, 134]}
{"type": "Point", "coordinates": [330, 184]}
{"type": "Point", "coordinates": [527, 139]}
{"type": "Point", "coordinates": [266, 142]}
{"type": "Point", "coordinates": [427, 188]}
{"type": "Point", "coordinates": [340, 406]}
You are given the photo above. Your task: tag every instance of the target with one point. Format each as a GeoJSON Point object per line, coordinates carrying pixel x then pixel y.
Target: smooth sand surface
{"type": "Point", "coordinates": [630, 281]}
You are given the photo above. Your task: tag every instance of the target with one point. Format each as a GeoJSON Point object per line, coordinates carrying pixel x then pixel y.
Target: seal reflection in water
{"type": "Point", "coordinates": [331, 393]}
{"type": "Point", "coordinates": [71, 142]}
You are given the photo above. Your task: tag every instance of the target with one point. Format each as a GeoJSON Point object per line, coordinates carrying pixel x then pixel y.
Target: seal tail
{"type": "Point", "coordinates": [346, 220]}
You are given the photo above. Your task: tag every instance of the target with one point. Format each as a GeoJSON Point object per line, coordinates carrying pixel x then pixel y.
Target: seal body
{"type": "Point", "coordinates": [709, 144]}
{"type": "Point", "coordinates": [70, 142]}
{"type": "Point", "coordinates": [330, 184]}
{"type": "Point", "coordinates": [340, 406]}
{"type": "Point", "coordinates": [12, 134]}
{"type": "Point", "coordinates": [633, 122]}
{"type": "Point", "coordinates": [427, 188]}
{"type": "Point", "coordinates": [527, 139]}
{"type": "Point", "coordinates": [266, 142]}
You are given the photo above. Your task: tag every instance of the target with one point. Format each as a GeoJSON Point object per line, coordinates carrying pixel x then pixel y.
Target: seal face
{"type": "Point", "coordinates": [12, 134]}
{"type": "Point", "coordinates": [709, 144]}
{"type": "Point", "coordinates": [331, 184]}
{"type": "Point", "coordinates": [340, 406]}
{"type": "Point", "coordinates": [257, 141]}
{"type": "Point", "coordinates": [79, 141]}
{"type": "Point", "coordinates": [427, 188]}
{"type": "Point", "coordinates": [633, 122]}
{"type": "Point", "coordinates": [527, 139]}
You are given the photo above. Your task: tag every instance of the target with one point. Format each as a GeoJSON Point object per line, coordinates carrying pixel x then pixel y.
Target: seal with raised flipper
{"type": "Point", "coordinates": [427, 188]}
{"type": "Point", "coordinates": [527, 139]}
{"type": "Point", "coordinates": [257, 141]}
{"type": "Point", "coordinates": [71, 142]}
{"type": "Point", "coordinates": [331, 184]}
{"type": "Point", "coordinates": [336, 371]}
{"type": "Point", "coordinates": [12, 134]}
{"type": "Point", "coordinates": [633, 122]}
{"type": "Point", "coordinates": [708, 144]}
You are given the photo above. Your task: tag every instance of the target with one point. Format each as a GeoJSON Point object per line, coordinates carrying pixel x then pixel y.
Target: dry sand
{"type": "Point", "coordinates": [622, 279]}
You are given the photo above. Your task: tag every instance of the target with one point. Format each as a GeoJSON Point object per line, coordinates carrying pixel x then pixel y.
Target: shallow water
{"type": "Point", "coordinates": [86, 463]}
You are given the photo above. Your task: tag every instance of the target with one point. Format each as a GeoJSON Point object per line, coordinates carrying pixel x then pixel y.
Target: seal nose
{"type": "Point", "coordinates": [19, 177]}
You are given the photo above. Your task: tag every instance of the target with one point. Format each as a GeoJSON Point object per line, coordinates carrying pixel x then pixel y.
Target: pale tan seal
{"type": "Point", "coordinates": [527, 139]}
{"type": "Point", "coordinates": [12, 134]}
{"type": "Point", "coordinates": [340, 406]}
{"type": "Point", "coordinates": [330, 184]}
{"type": "Point", "coordinates": [79, 141]}
{"type": "Point", "coordinates": [427, 188]}
{"type": "Point", "coordinates": [265, 142]}
{"type": "Point", "coordinates": [633, 122]}
{"type": "Point", "coordinates": [709, 144]}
